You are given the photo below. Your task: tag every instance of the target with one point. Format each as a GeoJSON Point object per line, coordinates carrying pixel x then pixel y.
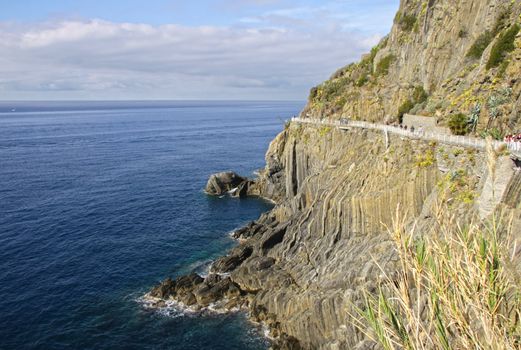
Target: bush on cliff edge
{"type": "Point", "coordinates": [503, 46]}
{"type": "Point", "coordinates": [459, 124]}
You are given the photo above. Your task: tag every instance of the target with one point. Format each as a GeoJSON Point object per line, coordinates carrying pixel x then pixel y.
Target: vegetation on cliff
{"type": "Point", "coordinates": [459, 124]}
{"type": "Point", "coordinates": [460, 64]}
{"type": "Point", "coordinates": [503, 46]}
{"type": "Point", "coordinates": [454, 290]}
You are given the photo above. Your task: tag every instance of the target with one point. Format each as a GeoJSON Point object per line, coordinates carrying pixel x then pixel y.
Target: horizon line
{"type": "Point", "coordinates": [154, 100]}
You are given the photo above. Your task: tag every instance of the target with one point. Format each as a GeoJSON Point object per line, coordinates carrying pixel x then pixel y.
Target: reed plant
{"type": "Point", "coordinates": [452, 290]}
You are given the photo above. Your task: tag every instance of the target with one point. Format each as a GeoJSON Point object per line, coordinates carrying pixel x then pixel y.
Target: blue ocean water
{"type": "Point", "coordinates": [101, 201]}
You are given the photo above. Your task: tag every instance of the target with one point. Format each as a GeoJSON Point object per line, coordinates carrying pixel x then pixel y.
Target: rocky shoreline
{"type": "Point", "coordinates": [221, 289]}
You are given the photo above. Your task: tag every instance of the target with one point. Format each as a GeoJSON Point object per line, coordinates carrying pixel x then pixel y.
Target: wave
{"type": "Point", "coordinates": [175, 309]}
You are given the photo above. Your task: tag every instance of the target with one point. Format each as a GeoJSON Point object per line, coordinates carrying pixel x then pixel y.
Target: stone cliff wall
{"type": "Point", "coordinates": [427, 65]}
{"type": "Point", "coordinates": [340, 191]}
{"type": "Point", "coordinates": [302, 268]}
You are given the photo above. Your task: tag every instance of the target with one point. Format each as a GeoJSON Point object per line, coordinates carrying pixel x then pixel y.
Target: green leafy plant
{"type": "Point", "coordinates": [362, 80]}
{"type": "Point", "coordinates": [405, 107]}
{"type": "Point", "coordinates": [481, 43]}
{"type": "Point", "coordinates": [496, 100]}
{"type": "Point", "coordinates": [503, 46]}
{"type": "Point", "coordinates": [474, 116]}
{"type": "Point", "coordinates": [419, 95]}
{"type": "Point", "coordinates": [426, 159]}
{"type": "Point", "coordinates": [323, 131]}
{"type": "Point", "coordinates": [459, 124]}
{"type": "Point", "coordinates": [406, 21]}
{"type": "Point", "coordinates": [313, 93]}
{"type": "Point", "coordinates": [341, 102]}
{"type": "Point", "coordinates": [502, 68]}
{"type": "Point", "coordinates": [382, 68]}
{"type": "Point", "coordinates": [494, 133]}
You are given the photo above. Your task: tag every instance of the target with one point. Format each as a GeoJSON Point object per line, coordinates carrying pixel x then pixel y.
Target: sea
{"type": "Point", "coordinates": [100, 201]}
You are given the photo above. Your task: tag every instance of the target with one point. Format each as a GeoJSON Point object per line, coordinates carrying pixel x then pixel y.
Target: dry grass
{"type": "Point", "coordinates": [491, 163]}
{"type": "Point", "coordinates": [452, 291]}
{"type": "Point", "coordinates": [455, 287]}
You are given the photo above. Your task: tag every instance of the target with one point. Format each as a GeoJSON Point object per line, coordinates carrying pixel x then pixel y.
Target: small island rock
{"type": "Point", "coordinates": [227, 182]}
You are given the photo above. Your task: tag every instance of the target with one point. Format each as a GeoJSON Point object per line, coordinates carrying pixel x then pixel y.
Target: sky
{"type": "Point", "coordinates": [181, 49]}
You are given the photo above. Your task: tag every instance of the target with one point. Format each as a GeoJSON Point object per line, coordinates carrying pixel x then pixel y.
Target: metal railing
{"type": "Point", "coordinates": [466, 141]}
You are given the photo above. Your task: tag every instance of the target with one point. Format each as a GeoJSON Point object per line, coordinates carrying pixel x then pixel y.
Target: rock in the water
{"type": "Point", "coordinates": [180, 288]}
{"type": "Point", "coordinates": [286, 342]}
{"type": "Point", "coordinates": [208, 293]}
{"type": "Point", "coordinates": [164, 290]}
{"type": "Point", "coordinates": [227, 182]}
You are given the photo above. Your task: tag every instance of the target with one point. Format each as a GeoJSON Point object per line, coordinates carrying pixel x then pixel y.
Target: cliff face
{"type": "Point", "coordinates": [340, 192]}
{"type": "Point", "coordinates": [303, 267]}
{"type": "Point", "coordinates": [441, 57]}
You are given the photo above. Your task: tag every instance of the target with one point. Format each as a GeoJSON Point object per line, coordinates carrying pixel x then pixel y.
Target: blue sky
{"type": "Point", "coordinates": [172, 49]}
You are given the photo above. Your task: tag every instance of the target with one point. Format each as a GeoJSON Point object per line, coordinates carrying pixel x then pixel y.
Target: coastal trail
{"type": "Point", "coordinates": [464, 141]}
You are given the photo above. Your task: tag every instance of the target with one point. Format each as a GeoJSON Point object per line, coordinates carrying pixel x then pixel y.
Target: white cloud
{"type": "Point", "coordinates": [101, 60]}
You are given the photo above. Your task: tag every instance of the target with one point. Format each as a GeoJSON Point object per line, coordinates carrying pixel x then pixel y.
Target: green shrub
{"type": "Point", "coordinates": [426, 159]}
{"type": "Point", "coordinates": [368, 60]}
{"type": "Point", "coordinates": [404, 108]}
{"type": "Point", "coordinates": [331, 89]}
{"type": "Point", "coordinates": [502, 20]}
{"type": "Point", "coordinates": [313, 93]}
{"type": "Point", "coordinates": [323, 131]}
{"type": "Point", "coordinates": [406, 21]}
{"type": "Point", "coordinates": [503, 46]}
{"type": "Point", "coordinates": [419, 95]}
{"type": "Point", "coordinates": [502, 68]}
{"type": "Point", "coordinates": [382, 68]}
{"type": "Point", "coordinates": [459, 124]}
{"type": "Point", "coordinates": [481, 43]}
{"type": "Point", "coordinates": [362, 80]}
{"type": "Point", "coordinates": [341, 102]}
{"type": "Point", "coordinates": [495, 133]}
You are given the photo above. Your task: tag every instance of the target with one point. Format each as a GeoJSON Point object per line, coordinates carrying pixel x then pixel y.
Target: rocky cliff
{"type": "Point", "coordinates": [302, 268]}
{"type": "Point", "coordinates": [442, 57]}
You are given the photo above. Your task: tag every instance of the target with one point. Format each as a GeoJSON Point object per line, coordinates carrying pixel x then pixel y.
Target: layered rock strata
{"type": "Point", "coordinates": [303, 268]}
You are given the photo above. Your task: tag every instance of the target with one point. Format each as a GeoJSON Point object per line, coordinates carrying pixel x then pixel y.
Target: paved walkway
{"type": "Point", "coordinates": [465, 141]}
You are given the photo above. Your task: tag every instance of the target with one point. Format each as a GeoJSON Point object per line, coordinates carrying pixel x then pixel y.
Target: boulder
{"type": "Point", "coordinates": [164, 290]}
{"type": "Point", "coordinates": [234, 259]}
{"type": "Point", "coordinates": [180, 288]}
{"type": "Point", "coordinates": [227, 182]}
{"type": "Point", "coordinates": [207, 293]}
{"type": "Point", "coordinates": [286, 342]}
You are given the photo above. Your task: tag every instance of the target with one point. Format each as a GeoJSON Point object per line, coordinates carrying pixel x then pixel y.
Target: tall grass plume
{"type": "Point", "coordinates": [452, 290]}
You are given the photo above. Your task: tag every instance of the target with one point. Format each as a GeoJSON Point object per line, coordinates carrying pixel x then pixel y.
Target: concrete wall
{"type": "Point", "coordinates": [426, 123]}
